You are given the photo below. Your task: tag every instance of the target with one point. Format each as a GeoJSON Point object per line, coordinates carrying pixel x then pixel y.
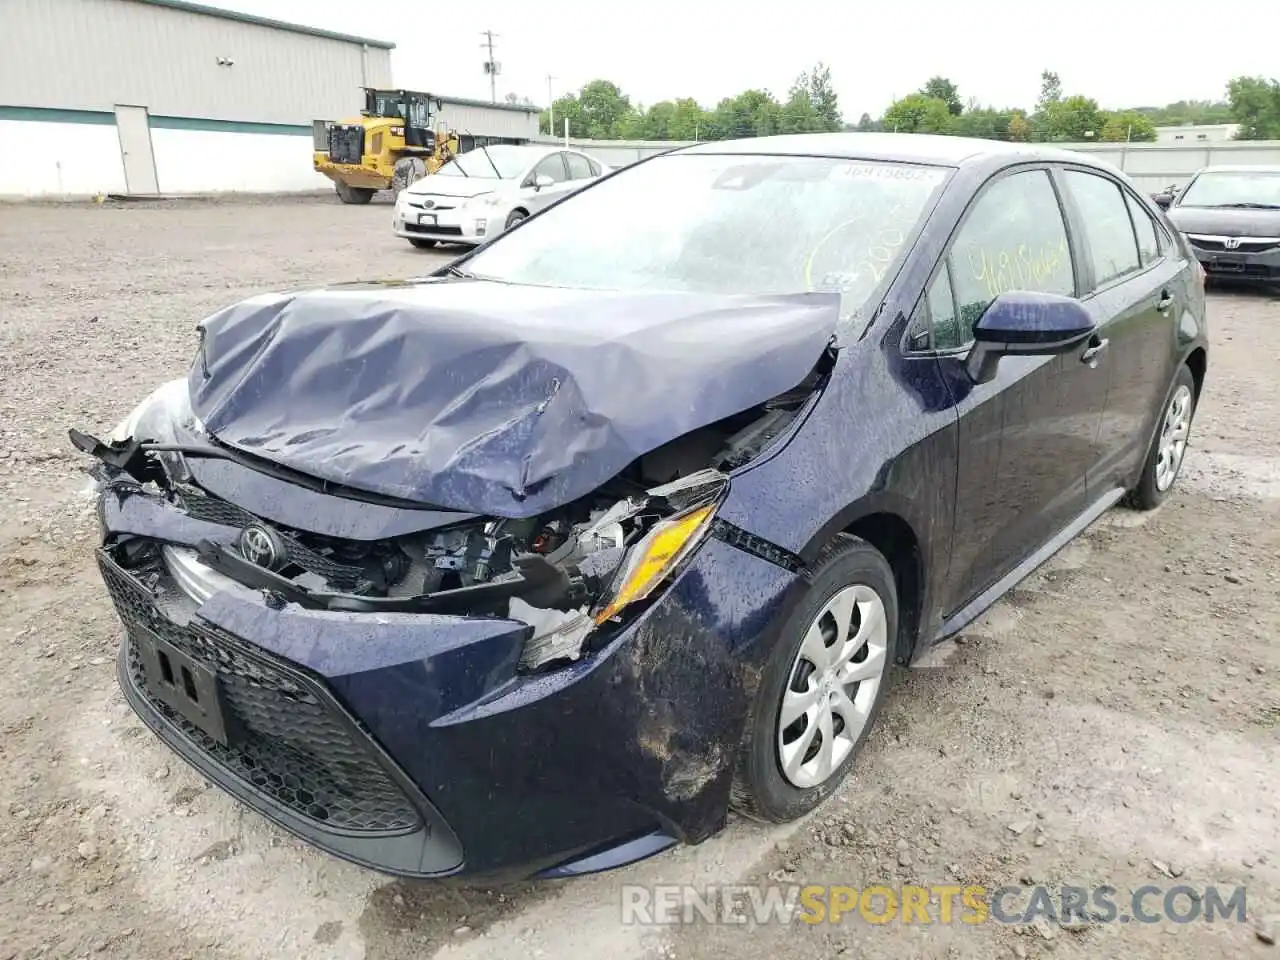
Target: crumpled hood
{"type": "Point", "coordinates": [486, 397]}
{"type": "Point", "coordinates": [1226, 221]}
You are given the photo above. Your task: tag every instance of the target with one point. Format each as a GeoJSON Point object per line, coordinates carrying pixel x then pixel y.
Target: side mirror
{"type": "Point", "coordinates": [1027, 323]}
{"type": "Point", "coordinates": [542, 180]}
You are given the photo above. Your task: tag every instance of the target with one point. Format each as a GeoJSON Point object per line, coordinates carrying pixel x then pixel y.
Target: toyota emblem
{"type": "Point", "coordinates": [262, 546]}
{"type": "Point", "coordinates": [428, 204]}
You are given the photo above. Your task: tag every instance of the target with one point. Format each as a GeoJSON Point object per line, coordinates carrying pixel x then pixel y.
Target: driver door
{"type": "Point", "coordinates": [535, 197]}
{"type": "Point", "coordinates": [1028, 437]}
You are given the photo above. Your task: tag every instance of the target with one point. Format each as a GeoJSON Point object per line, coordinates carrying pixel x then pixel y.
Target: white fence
{"type": "Point", "coordinates": [1152, 166]}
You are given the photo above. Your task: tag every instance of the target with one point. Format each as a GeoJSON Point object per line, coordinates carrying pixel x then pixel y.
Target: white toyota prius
{"type": "Point", "coordinates": [477, 195]}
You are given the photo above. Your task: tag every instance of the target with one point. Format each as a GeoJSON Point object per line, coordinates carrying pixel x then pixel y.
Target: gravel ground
{"type": "Point", "coordinates": [1113, 721]}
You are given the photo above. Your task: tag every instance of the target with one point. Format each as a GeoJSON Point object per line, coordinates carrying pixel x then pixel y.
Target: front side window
{"type": "Point", "coordinates": [1113, 249]}
{"type": "Point", "coordinates": [1233, 188]}
{"type": "Point", "coordinates": [551, 166]}
{"type": "Point", "coordinates": [716, 223]}
{"type": "Point", "coordinates": [1014, 238]}
{"type": "Point", "coordinates": [945, 330]}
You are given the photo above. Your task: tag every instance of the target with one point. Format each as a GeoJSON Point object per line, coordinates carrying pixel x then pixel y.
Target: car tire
{"type": "Point", "coordinates": [407, 172]}
{"type": "Point", "coordinates": [1168, 446]}
{"type": "Point", "coordinates": [514, 217]}
{"type": "Point", "coordinates": [356, 195]}
{"type": "Point", "coordinates": [774, 779]}
{"type": "Point", "coordinates": [422, 243]}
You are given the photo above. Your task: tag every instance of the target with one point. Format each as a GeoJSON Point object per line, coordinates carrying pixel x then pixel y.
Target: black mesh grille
{"type": "Point", "coordinates": [291, 742]}
{"type": "Point", "coordinates": [211, 509]}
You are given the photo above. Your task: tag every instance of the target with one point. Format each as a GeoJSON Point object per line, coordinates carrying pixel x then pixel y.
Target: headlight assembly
{"type": "Point", "coordinates": [665, 527]}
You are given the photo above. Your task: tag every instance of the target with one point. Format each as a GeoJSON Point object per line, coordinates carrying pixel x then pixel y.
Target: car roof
{"type": "Point", "coordinates": [902, 147]}
{"type": "Point", "coordinates": [1242, 168]}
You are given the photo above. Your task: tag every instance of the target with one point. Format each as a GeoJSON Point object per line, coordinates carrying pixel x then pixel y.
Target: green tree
{"type": "Point", "coordinates": [1019, 127]}
{"type": "Point", "coordinates": [867, 125]}
{"type": "Point", "coordinates": [1050, 91]}
{"type": "Point", "coordinates": [752, 113]}
{"type": "Point", "coordinates": [940, 88]}
{"type": "Point", "coordinates": [1072, 119]}
{"type": "Point", "coordinates": [822, 95]}
{"type": "Point", "coordinates": [1128, 125]}
{"type": "Point", "coordinates": [1255, 105]}
{"type": "Point", "coordinates": [602, 108]}
{"type": "Point", "coordinates": [916, 113]}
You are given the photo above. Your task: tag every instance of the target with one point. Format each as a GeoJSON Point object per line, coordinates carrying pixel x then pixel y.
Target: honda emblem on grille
{"type": "Point", "coordinates": [261, 545]}
{"type": "Point", "coordinates": [1231, 243]}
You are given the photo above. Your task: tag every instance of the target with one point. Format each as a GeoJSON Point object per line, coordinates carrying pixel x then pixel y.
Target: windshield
{"type": "Point", "coordinates": [1233, 188]}
{"type": "Point", "coordinates": [724, 224]}
{"type": "Point", "coordinates": [510, 162]}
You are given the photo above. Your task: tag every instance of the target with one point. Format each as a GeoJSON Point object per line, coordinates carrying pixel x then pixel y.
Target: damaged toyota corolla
{"type": "Point", "coordinates": [545, 562]}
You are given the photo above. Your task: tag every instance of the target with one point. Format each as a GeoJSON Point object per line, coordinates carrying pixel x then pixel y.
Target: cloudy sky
{"type": "Point", "coordinates": [1121, 52]}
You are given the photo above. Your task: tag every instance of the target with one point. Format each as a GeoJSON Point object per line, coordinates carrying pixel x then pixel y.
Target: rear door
{"type": "Point", "coordinates": [1134, 286]}
{"type": "Point", "coordinates": [581, 171]}
{"type": "Point", "coordinates": [1025, 437]}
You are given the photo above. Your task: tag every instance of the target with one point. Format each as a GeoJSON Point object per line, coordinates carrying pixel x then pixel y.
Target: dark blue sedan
{"type": "Point", "coordinates": [546, 562]}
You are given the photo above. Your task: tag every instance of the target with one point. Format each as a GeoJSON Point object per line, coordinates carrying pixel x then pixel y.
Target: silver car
{"type": "Point", "coordinates": [480, 193]}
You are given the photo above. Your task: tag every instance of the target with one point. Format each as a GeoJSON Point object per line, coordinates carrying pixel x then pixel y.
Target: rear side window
{"type": "Point", "coordinates": [579, 169]}
{"type": "Point", "coordinates": [1113, 249]}
{"type": "Point", "coordinates": [1148, 237]}
{"type": "Point", "coordinates": [1013, 239]}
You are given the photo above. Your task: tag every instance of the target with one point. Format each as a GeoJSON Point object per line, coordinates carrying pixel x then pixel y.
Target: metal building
{"type": "Point", "coordinates": [168, 96]}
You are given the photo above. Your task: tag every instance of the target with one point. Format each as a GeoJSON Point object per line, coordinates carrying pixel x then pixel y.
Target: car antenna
{"type": "Point", "coordinates": [485, 149]}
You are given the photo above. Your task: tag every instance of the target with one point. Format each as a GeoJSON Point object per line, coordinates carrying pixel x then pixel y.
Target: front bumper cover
{"type": "Point", "coordinates": [1248, 259]}
{"type": "Point", "coordinates": [576, 769]}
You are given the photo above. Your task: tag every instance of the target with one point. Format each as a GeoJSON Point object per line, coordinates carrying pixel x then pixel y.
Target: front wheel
{"type": "Point", "coordinates": [822, 688]}
{"type": "Point", "coordinates": [1164, 459]}
{"type": "Point", "coordinates": [514, 217]}
{"type": "Point", "coordinates": [422, 243]}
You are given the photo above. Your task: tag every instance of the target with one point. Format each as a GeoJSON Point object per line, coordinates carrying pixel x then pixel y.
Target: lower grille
{"type": "Point", "coordinates": [292, 742]}
{"type": "Point", "coordinates": [446, 231]}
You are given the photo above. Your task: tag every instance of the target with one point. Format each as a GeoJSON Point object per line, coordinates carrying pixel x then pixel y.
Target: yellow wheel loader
{"type": "Point", "coordinates": [394, 143]}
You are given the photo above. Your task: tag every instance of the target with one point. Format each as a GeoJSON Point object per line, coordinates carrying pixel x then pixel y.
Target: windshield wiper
{"type": "Point", "coordinates": [1250, 205]}
{"type": "Point", "coordinates": [453, 271]}
{"type": "Point", "coordinates": [484, 148]}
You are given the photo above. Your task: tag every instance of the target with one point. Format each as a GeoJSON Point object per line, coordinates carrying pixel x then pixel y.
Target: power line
{"type": "Point", "coordinates": [491, 66]}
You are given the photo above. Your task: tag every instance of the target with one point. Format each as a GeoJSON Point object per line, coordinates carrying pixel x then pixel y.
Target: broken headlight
{"type": "Point", "coordinates": [668, 524]}
{"type": "Point", "coordinates": [165, 416]}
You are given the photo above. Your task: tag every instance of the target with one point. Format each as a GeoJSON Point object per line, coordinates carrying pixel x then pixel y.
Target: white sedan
{"type": "Point", "coordinates": [485, 191]}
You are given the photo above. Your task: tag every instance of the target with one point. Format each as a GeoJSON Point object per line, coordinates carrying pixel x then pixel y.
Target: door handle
{"type": "Point", "coordinates": [1165, 301]}
{"type": "Point", "coordinates": [1093, 351]}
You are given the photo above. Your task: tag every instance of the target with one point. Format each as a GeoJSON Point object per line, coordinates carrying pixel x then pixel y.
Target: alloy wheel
{"type": "Point", "coordinates": [832, 686]}
{"type": "Point", "coordinates": [1174, 432]}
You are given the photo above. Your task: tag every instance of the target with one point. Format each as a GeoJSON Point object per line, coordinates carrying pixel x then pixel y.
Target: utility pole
{"type": "Point", "coordinates": [551, 107]}
{"type": "Point", "coordinates": [491, 66]}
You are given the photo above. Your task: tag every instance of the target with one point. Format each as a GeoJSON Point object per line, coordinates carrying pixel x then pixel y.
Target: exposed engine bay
{"type": "Point", "coordinates": [564, 572]}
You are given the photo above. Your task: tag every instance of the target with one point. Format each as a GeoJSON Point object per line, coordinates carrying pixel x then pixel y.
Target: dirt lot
{"type": "Point", "coordinates": [1115, 721]}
